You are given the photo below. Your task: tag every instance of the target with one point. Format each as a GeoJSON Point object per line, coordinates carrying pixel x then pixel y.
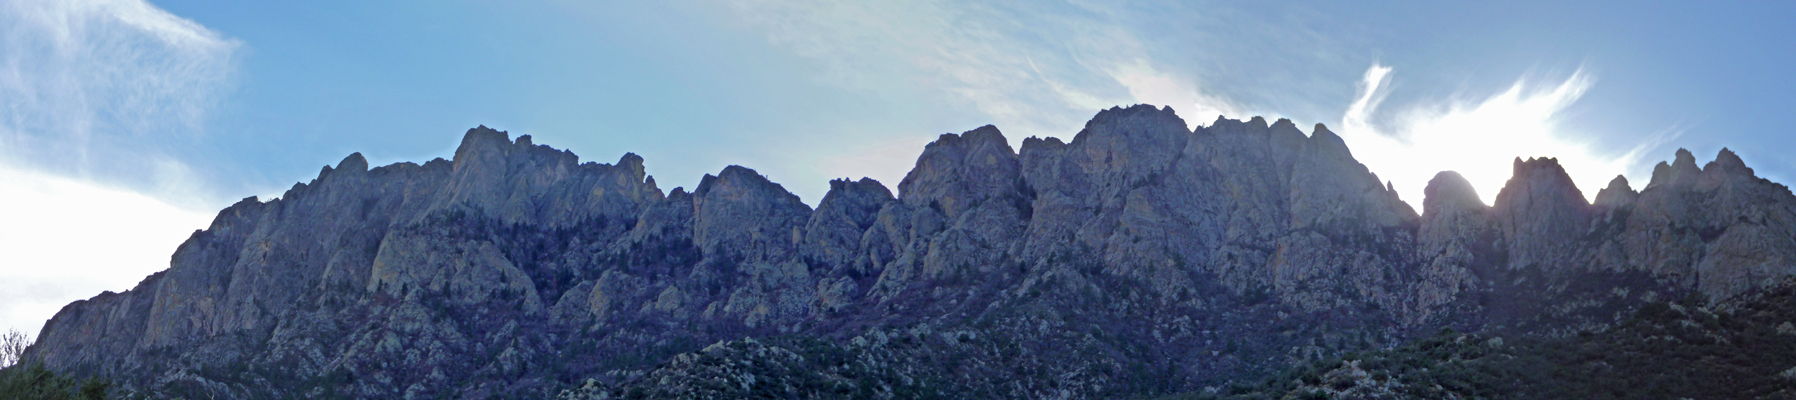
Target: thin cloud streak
{"type": "Point", "coordinates": [1045, 77]}
{"type": "Point", "coordinates": [1371, 93]}
{"type": "Point", "coordinates": [1040, 78]}
{"type": "Point", "coordinates": [1149, 86]}
{"type": "Point", "coordinates": [98, 88]}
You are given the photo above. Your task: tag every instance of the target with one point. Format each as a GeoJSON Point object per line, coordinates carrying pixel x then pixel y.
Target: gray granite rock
{"type": "Point", "coordinates": [1138, 258]}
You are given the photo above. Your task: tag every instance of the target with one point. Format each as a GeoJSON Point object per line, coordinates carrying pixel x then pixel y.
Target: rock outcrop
{"type": "Point", "coordinates": [1140, 257]}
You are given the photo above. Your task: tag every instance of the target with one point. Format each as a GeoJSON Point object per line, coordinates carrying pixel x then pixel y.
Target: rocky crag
{"type": "Point", "coordinates": [1139, 258]}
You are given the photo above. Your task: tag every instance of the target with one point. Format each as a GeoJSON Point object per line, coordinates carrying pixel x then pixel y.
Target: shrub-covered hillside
{"type": "Point", "coordinates": [33, 382]}
{"type": "Point", "coordinates": [1746, 350]}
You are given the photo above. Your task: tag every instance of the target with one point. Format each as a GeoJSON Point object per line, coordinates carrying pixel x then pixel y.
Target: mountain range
{"type": "Point", "coordinates": [1141, 258]}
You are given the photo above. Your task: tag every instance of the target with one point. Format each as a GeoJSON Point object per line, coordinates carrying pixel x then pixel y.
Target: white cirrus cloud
{"type": "Point", "coordinates": [93, 96]}
{"type": "Point", "coordinates": [1035, 71]}
{"type": "Point", "coordinates": [1480, 137]}
{"type": "Point", "coordinates": [102, 88]}
{"type": "Point", "coordinates": [1150, 86]}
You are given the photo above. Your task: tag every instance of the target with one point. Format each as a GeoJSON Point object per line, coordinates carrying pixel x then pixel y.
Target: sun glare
{"type": "Point", "coordinates": [1480, 139]}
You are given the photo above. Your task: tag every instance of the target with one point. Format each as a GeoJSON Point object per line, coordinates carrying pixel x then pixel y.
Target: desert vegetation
{"type": "Point", "coordinates": [1666, 350]}
{"type": "Point", "coordinates": [21, 380]}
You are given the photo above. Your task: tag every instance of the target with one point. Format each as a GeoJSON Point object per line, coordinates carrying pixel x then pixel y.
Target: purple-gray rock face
{"type": "Point", "coordinates": [1138, 258]}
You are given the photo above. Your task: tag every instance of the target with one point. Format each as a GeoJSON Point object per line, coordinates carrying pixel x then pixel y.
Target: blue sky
{"type": "Point", "coordinates": [124, 125]}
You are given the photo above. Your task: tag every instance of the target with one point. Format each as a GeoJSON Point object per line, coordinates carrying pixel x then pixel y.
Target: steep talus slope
{"type": "Point", "coordinates": [1138, 258]}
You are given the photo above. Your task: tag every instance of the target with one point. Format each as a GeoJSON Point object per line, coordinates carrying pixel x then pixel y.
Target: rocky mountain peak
{"type": "Point", "coordinates": [1720, 226]}
{"type": "Point", "coordinates": [1681, 171]}
{"type": "Point", "coordinates": [1450, 191]}
{"type": "Point", "coordinates": [1539, 211]}
{"type": "Point", "coordinates": [1285, 123]}
{"type": "Point", "coordinates": [859, 201]}
{"type": "Point", "coordinates": [481, 139]}
{"type": "Point", "coordinates": [957, 172]}
{"type": "Point", "coordinates": [1325, 179]}
{"type": "Point", "coordinates": [1138, 258]}
{"type": "Point", "coordinates": [737, 182]}
{"type": "Point", "coordinates": [739, 207]}
{"type": "Point", "coordinates": [1617, 194]}
{"type": "Point", "coordinates": [841, 221]}
{"type": "Point", "coordinates": [518, 180]}
{"type": "Point", "coordinates": [1252, 125]}
{"type": "Point", "coordinates": [1539, 182]}
{"type": "Point", "coordinates": [1123, 146]}
{"type": "Point", "coordinates": [1683, 160]}
{"type": "Point", "coordinates": [1135, 112]}
{"type": "Point", "coordinates": [1328, 144]}
{"type": "Point", "coordinates": [1727, 162]}
{"type": "Point", "coordinates": [354, 162]}
{"type": "Point", "coordinates": [633, 164]}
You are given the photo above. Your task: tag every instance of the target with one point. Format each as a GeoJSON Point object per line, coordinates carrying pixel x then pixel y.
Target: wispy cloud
{"type": "Point", "coordinates": [1371, 93]}
{"type": "Point", "coordinates": [1042, 70]}
{"type": "Point", "coordinates": [93, 95]}
{"type": "Point", "coordinates": [1034, 70]}
{"type": "Point", "coordinates": [1479, 137]}
{"type": "Point", "coordinates": [1147, 85]}
{"type": "Point", "coordinates": [97, 88]}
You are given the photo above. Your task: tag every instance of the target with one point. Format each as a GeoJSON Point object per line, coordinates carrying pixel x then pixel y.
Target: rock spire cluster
{"type": "Point", "coordinates": [1140, 257]}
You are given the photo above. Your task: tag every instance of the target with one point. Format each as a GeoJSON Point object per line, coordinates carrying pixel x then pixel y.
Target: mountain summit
{"type": "Point", "coordinates": [1139, 258]}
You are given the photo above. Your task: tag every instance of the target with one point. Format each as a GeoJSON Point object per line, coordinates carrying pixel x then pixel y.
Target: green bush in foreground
{"type": "Point", "coordinates": [33, 382]}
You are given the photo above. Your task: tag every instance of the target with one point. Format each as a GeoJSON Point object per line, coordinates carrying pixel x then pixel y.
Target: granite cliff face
{"type": "Point", "coordinates": [1138, 258]}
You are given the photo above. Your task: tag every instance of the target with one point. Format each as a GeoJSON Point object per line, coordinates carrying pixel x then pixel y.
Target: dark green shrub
{"type": "Point", "coordinates": [34, 382]}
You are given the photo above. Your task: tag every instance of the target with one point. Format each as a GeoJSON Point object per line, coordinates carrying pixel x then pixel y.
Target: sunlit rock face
{"type": "Point", "coordinates": [1719, 228]}
{"type": "Point", "coordinates": [1137, 258]}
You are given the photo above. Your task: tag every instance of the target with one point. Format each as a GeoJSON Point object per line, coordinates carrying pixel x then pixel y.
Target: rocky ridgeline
{"type": "Point", "coordinates": [1139, 258]}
